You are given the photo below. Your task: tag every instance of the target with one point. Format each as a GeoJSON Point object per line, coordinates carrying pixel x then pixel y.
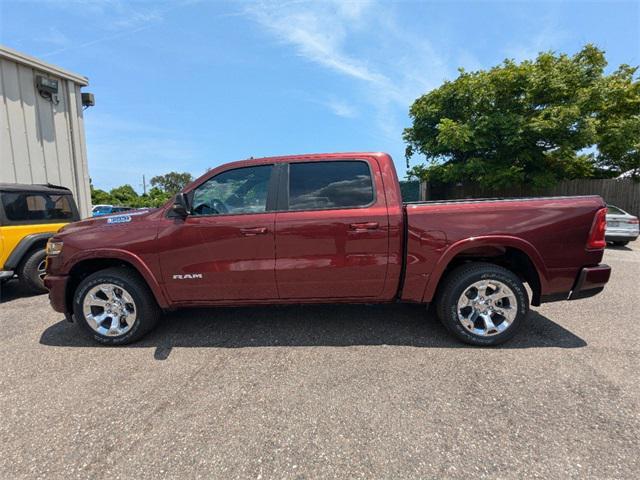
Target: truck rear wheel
{"type": "Point", "coordinates": [32, 271]}
{"type": "Point", "coordinates": [482, 303]}
{"type": "Point", "coordinates": [115, 306]}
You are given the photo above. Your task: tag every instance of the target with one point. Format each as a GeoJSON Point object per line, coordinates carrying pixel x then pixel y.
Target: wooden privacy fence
{"type": "Point", "coordinates": [410, 190]}
{"type": "Point", "coordinates": [624, 193]}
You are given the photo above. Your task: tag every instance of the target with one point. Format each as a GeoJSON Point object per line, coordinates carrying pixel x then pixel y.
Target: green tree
{"type": "Point", "coordinates": [99, 197]}
{"type": "Point", "coordinates": [155, 197]}
{"type": "Point", "coordinates": [528, 123]}
{"type": "Point", "coordinates": [164, 187]}
{"type": "Point", "coordinates": [619, 123]}
{"type": "Point", "coordinates": [124, 195]}
{"type": "Point", "coordinates": [172, 182]}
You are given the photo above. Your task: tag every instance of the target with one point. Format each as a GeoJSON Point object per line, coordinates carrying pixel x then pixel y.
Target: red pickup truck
{"type": "Point", "coordinates": [323, 229]}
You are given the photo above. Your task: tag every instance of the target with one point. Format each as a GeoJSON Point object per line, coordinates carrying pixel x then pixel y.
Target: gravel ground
{"type": "Point", "coordinates": [325, 392]}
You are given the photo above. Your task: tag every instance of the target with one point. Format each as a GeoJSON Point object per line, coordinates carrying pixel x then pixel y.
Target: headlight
{"type": "Point", "coordinates": [53, 248]}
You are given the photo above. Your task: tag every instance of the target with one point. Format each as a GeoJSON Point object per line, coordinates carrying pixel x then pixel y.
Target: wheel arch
{"type": "Point", "coordinates": [97, 260]}
{"type": "Point", "coordinates": [513, 253]}
{"type": "Point", "coordinates": [24, 246]}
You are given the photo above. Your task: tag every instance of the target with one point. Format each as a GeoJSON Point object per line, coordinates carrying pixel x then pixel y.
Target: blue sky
{"type": "Point", "coordinates": [188, 85]}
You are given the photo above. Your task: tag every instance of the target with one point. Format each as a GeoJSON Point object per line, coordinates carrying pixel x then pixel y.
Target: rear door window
{"type": "Point", "coordinates": [37, 207]}
{"type": "Point", "coordinates": [330, 185]}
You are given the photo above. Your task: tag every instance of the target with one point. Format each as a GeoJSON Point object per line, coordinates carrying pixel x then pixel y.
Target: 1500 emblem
{"type": "Point", "coordinates": [119, 219]}
{"type": "Point", "coordinates": [187, 276]}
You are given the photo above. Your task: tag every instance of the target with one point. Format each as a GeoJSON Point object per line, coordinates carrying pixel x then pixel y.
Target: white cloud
{"type": "Point", "coordinates": [105, 122]}
{"type": "Point", "coordinates": [363, 42]}
{"type": "Point", "coordinates": [116, 14]}
{"type": "Point", "coordinates": [54, 37]}
{"type": "Point", "coordinates": [134, 19]}
{"type": "Point", "coordinates": [547, 37]}
{"type": "Point", "coordinates": [317, 31]}
{"type": "Point", "coordinates": [121, 150]}
{"type": "Point", "coordinates": [341, 108]}
{"type": "Point", "coordinates": [113, 19]}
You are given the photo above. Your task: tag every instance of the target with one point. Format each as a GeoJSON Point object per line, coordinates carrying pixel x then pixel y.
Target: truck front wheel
{"type": "Point", "coordinates": [482, 303]}
{"type": "Point", "coordinates": [115, 306]}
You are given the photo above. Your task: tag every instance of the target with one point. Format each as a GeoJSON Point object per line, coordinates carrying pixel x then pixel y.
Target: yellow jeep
{"type": "Point", "coordinates": [29, 215]}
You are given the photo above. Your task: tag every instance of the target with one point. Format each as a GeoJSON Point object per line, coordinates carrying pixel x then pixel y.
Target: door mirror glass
{"type": "Point", "coordinates": [180, 206]}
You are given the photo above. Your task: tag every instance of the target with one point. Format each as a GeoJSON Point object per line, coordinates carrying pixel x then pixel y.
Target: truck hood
{"type": "Point", "coordinates": [115, 220]}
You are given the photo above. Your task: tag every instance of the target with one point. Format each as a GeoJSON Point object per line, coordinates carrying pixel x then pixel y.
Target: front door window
{"type": "Point", "coordinates": [239, 191]}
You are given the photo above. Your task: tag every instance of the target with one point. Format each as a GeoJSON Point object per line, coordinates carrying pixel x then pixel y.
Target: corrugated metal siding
{"type": "Point", "coordinates": [41, 141]}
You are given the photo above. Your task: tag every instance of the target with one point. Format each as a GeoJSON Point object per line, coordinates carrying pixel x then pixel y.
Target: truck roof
{"type": "Point", "coordinates": [284, 158]}
{"type": "Point", "coordinates": [35, 187]}
{"type": "Point", "coordinates": [287, 158]}
{"type": "Point", "coordinates": [316, 156]}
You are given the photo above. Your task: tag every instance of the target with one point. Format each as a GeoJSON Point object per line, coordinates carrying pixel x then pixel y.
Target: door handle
{"type": "Point", "coordinates": [251, 232]}
{"type": "Point", "coordinates": [360, 227]}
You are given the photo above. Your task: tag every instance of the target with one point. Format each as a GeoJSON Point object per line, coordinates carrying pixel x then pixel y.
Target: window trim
{"type": "Point", "coordinates": [287, 184]}
{"type": "Point", "coordinates": [272, 192]}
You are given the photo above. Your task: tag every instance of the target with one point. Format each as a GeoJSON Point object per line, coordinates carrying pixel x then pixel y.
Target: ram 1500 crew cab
{"type": "Point", "coordinates": [326, 228]}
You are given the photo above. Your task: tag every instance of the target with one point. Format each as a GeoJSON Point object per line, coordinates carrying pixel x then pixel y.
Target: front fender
{"type": "Point", "coordinates": [485, 241]}
{"type": "Point", "coordinates": [23, 247]}
{"type": "Point", "coordinates": [126, 257]}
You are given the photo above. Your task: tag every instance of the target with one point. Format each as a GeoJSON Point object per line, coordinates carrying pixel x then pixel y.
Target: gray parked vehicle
{"type": "Point", "coordinates": [622, 227]}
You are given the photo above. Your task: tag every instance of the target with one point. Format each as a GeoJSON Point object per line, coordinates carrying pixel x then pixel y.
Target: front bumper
{"type": "Point", "coordinates": [57, 285]}
{"type": "Point", "coordinates": [590, 282]}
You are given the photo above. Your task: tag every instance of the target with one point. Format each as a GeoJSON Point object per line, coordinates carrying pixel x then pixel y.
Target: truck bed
{"type": "Point", "coordinates": [551, 231]}
{"type": "Point", "coordinates": [495, 199]}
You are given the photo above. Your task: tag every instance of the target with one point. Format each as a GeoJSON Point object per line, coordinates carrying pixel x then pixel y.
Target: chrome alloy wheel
{"type": "Point", "coordinates": [109, 309]}
{"type": "Point", "coordinates": [42, 269]}
{"type": "Point", "coordinates": [487, 308]}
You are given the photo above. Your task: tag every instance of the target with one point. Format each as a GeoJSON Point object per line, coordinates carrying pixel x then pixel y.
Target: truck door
{"type": "Point", "coordinates": [224, 250]}
{"type": "Point", "coordinates": [332, 239]}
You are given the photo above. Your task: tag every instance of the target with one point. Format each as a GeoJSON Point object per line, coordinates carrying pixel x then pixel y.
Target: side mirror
{"type": "Point", "coordinates": [180, 206]}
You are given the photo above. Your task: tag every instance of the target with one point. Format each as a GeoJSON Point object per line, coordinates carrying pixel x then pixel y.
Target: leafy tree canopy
{"type": "Point", "coordinates": [171, 182]}
{"type": "Point", "coordinates": [163, 188]}
{"type": "Point", "coordinates": [100, 197]}
{"type": "Point", "coordinates": [535, 122]}
{"type": "Point", "coordinates": [124, 195]}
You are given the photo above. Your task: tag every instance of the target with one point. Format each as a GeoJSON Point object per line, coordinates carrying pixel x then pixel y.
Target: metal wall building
{"type": "Point", "coordinates": [42, 136]}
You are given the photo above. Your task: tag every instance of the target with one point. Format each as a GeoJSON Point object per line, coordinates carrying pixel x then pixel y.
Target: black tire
{"type": "Point", "coordinates": [455, 285]}
{"type": "Point", "coordinates": [145, 306]}
{"type": "Point", "coordinates": [29, 272]}
{"type": "Point", "coordinates": [620, 244]}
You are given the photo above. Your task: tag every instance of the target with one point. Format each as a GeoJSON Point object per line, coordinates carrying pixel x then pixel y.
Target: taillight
{"type": "Point", "coordinates": [596, 234]}
{"type": "Point", "coordinates": [633, 221]}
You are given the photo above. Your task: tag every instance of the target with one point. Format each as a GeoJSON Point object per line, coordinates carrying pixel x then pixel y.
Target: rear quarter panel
{"type": "Point", "coordinates": [551, 231]}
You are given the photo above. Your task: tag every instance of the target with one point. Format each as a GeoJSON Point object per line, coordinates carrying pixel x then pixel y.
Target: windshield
{"type": "Point", "coordinates": [102, 209]}
{"type": "Point", "coordinates": [615, 210]}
